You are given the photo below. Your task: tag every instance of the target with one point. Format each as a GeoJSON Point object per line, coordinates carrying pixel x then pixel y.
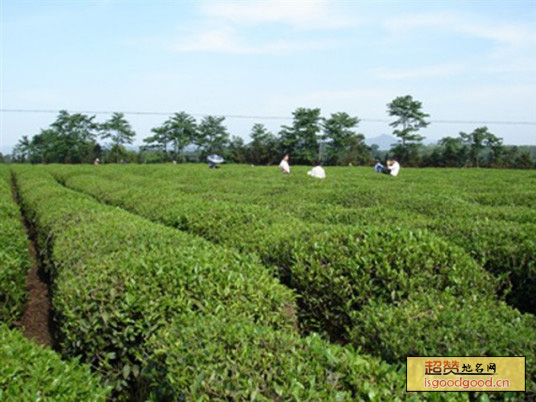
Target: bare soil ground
{"type": "Point", "coordinates": [36, 322]}
{"type": "Point", "coordinates": [36, 319]}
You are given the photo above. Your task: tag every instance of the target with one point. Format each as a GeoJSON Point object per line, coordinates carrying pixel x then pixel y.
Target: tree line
{"type": "Point", "coordinates": [334, 140]}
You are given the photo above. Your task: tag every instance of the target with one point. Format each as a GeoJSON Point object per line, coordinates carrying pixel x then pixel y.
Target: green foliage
{"type": "Point", "coordinates": [14, 260]}
{"type": "Point", "coordinates": [262, 146]}
{"type": "Point", "coordinates": [300, 139]}
{"type": "Point", "coordinates": [212, 135]}
{"type": "Point", "coordinates": [69, 139]}
{"type": "Point", "coordinates": [119, 278]}
{"type": "Point", "coordinates": [478, 140]}
{"type": "Point", "coordinates": [383, 244]}
{"type": "Point", "coordinates": [409, 117]}
{"type": "Point", "coordinates": [435, 324]}
{"type": "Point", "coordinates": [118, 129]}
{"type": "Point", "coordinates": [224, 358]}
{"type": "Point", "coordinates": [443, 324]}
{"type": "Point", "coordinates": [507, 249]}
{"type": "Point", "coordinates": [345, 146]}
{"type": "Point", "coordinates": [179, 131]}
{"type": "Point", "coordinates": [367, 263]}
{"type": "Point", "coordinates": [32, 373]}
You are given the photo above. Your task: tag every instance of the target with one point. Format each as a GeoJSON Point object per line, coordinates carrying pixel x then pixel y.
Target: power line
{"type": "Point", "coordinates": [259, 117]}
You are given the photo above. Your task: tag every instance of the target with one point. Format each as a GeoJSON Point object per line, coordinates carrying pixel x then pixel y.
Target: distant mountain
{"type": "Point", "coordinates": [384, 141]}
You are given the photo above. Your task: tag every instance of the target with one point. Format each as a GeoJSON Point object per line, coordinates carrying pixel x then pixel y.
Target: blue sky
{"type": "Point", "coordinates": [470, 63]}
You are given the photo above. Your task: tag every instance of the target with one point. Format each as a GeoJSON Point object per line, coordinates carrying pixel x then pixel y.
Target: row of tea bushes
{"type": "Point", "coordinates": [339, 270]}
{"type": "Point", "coordinates": [433, 323]}
{"type": "Point", "coordinates": [499, 235]}
{"type": "Point", "coordinates": [119, 278]}
{"type": "Point", "coordinates": [400, 293]}
{"type": "Point", "coordinates": [506, 249]}
{"type": "Point", "coordinates": [218, 357]}
{"type": "Point", "coordinates": [359, 264]}
{"type": "Point", "coordinates": [436, 324]}
{"type": "Point", "coordinates": [222, 222]}
{"type": "Point", "coordinates": [14, 260]}
{"type": "Point", "coordinates": [503, 194]}
{"type": "Point", "coordinates": [29, 372]}
{"type": "Point", "coordinates": [171, 316]}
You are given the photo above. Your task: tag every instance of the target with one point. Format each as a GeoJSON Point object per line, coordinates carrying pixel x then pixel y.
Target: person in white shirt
{"type": "Point", "coordinates": [284, 166]}
{"type": "Point", "coordinates": [317, 171]}
{"type": "Point", "coordinates": [393, 167]}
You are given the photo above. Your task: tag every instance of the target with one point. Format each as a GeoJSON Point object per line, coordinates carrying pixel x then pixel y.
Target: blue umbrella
{"type": "Point", "coordinates": [215, 158]}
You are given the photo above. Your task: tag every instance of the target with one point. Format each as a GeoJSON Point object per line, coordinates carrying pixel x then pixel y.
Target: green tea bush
{"type": "Point", "coordinates": [339, 269]}
{"type": "Point", "coordinates": [435, 324]}
{"type": "Point", "coordinates": [158, 310]}
{"type": "Point", "coordinates": [29, 372]}
{"type": "Point", "coordinates": [506, 249]}
{"type": "Point", "coordinates": [252, 228]}
{"type": "Point", "coordinates": [14, 259]}
{"type": "Point", "coordinates": [219, 222]}
{"type": "Point", "coordinates": [224, 358]}
{"type": "Point", "coordinates": [119, 278]}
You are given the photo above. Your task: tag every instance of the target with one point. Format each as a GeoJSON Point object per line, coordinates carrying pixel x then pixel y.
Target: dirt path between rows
{"type": "Point", "coordinates": [36, 320]}
{"type": "Point", "coordinates": [37, 317]}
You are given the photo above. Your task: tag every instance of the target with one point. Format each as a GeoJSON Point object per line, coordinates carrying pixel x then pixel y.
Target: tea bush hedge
{"type": "Point", "coordinates": [132, 297]}
{"type": "Point", "coordinates": [440, 324]}
{"type": "Point", "coordinates": [489, 213]}
{"type": "Point", "coordinates": [29, 372]}
{"type": "Point", "coordinates": [356, 264]}
{"type": "Point", "coordinates": [217, 221]}
{"type": "Point", "coordinates": [225, 358]}
{"type": "Point", "coordinates": [118, 278]}
{"type": "Point", "coordinates": [339, 271]}
{"type": "Point", "coordinates": [14, 259]}
{"type": "Point", "coordinates": [506, 249]}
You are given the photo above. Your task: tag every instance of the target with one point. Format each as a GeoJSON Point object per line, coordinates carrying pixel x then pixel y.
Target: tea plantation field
{"type": "Point", "coordinates": [182, 282]}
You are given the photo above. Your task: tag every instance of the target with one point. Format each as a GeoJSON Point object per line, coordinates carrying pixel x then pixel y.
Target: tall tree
{"type": "Point", "coordinates": [159, 141]}
{"type": "Point", "coordinates": [356, 152]}
{"type": "Point", "coordinates": [70, 139]}
{"type": "Point", "coordinates": [181, 132]}
{"type": "Point", "coordinates": [496, 150]}
{"type": "Point", "coordinates": [237, 150]}
{"type": "Point", "coordinates": [453, 152]}
{"type": "Point", "coordinates": [118, 129]}
{"type": "Point", "coordinates": [410, 119]}
{"type": "Point", "coordinates": [301, 139]}
{"type": "Point", "coordinates": [213, 137]}
{"type": "Point", "coordinates": [263, 147]}
{"type": "Point", "coordinates": [21, 151]}
{"type": "Point", "coordinates": [339, 132]}
{"type": "Point", "coordinates": [524, 161]}
{"type": "Point", "coordinates": [476, 142]}
{"type": "Point", "coordinates": [47, 147]}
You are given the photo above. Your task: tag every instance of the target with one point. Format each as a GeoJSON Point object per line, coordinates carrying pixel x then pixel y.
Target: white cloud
{"type": "Point", "coordinates": [518, 34]}
{"type": "Point", "coordinates": [439, 70]}
{"type": "Point", "coordinates": [229, 40]}
{"type": "Point", "coordinates": [217, 39]}
{"type": "Point", "coordinates": [512, 65]}
{"type": "Point", "coordinates": [297, 14]}
{"type": "Point", "coordinates": [232, 27]}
